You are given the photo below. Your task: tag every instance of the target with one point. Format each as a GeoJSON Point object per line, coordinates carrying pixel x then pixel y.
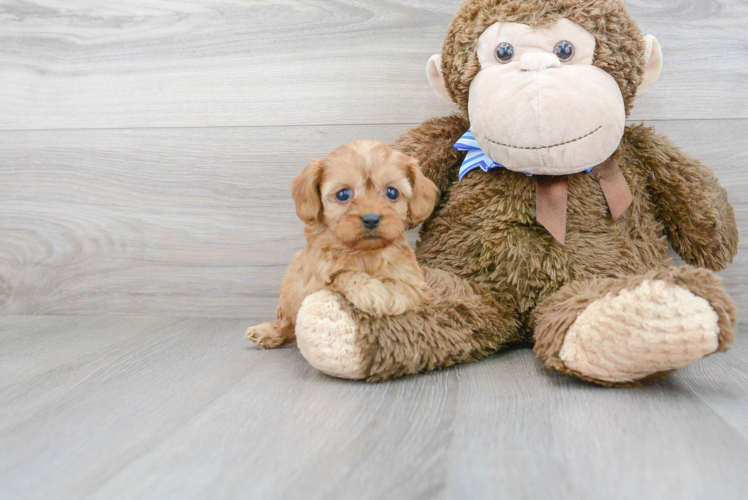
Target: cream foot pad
{"type": "Point", "coordinates": [325, 334]}
{"type": "Point", "coordinates": [652, 328]}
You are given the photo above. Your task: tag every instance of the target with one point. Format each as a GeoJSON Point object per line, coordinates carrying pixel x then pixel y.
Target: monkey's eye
{"type": "Point", "coordinates": [393, 193]}
{"type": "Point", "coordinates": [343, 195]}
{"type": "Point", "coordinates": [564, 50]}
{"type": "Point", "coordinates": [504, 52]}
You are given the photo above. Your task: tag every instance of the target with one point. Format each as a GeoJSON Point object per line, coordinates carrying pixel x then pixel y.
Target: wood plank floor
{"type": "Point", "coordinates": [102, 407]}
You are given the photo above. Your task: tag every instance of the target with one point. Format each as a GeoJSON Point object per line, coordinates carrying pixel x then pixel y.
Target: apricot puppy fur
{"type": "Point", "coordinates": [357, 203]}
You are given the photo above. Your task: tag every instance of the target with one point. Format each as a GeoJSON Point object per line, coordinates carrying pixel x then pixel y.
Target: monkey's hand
{"type": "Point", "coordinates": [699, 221]}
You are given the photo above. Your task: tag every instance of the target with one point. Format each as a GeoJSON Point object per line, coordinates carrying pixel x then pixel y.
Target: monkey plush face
{"type": "Point", "coordinates": [538, 105]}
{"type": "Point", "coordinates": [537, 99]}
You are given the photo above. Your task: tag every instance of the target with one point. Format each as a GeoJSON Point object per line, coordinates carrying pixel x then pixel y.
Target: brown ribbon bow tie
{"type": "Point", "coordinates": [553, 192]}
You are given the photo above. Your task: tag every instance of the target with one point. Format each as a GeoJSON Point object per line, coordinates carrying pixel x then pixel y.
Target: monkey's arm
{"type": "Point", "coordinates": [432, 144]}
{"type": "Point", "coordinates": [699, 221]}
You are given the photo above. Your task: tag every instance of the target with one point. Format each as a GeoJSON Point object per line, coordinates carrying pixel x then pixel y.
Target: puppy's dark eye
{"type": "Point", "coordinates": [505, 52]}
{"type": "Point", "coordinates": [343, 195]}
{"type": "Point", "coordinates": [564, 50]}
{"type": "Point", "coordinates": [393, 194]}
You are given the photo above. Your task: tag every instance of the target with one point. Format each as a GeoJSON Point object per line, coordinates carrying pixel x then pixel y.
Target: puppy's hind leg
{"type": "Point", "coordinates": [269, 335]}
{"type": "Point", "coordinates": [283, 330]}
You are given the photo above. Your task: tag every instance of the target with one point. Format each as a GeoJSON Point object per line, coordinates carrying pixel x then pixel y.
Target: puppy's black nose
{"type": "Point", "coordinates": [371, 221]}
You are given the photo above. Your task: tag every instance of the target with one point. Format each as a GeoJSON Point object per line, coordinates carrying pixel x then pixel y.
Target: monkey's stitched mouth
{"type": "Point", "coordinates": [545, 147]}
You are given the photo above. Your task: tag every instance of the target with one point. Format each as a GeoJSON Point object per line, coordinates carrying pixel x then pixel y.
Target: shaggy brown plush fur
{"type": "Point", "coordinates": [698, 219]}
{"type": "Point", "coordinates": [484, 231]}
{"type": "Point", "coordinates": [488, 261]}
{"type": "Point", "coordinates": [463, 323]}
{"type": "Point", "coordinates": [509, 253]}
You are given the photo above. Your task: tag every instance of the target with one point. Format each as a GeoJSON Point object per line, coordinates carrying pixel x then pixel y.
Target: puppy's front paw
{"type": "Point", "coordinates": [422, 296]}
{"type": "Point", "coordinates": [342, 281]}
{"type": "Point", "coordinates": [265, 335]}
{"type": "Point", "coordinates": [372, 300]}
{"type": "Point", "coordinates": [372, 306]}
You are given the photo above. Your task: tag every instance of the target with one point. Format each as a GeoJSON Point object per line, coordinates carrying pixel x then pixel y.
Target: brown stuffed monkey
{"type": "Point", "coordinates": [554, 216]}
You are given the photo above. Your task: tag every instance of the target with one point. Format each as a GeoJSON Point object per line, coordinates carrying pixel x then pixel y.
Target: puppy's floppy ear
{"type": "Point", "coordinates": [424, 193]}
{"type": "Point", "coordinates": [305, 192]}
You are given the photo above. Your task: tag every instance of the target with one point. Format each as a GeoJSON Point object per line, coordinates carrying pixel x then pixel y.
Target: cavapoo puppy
{"type": "Point", "coordinates": [357, 203]}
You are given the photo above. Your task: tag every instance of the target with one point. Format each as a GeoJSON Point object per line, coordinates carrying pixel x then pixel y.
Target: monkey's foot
{"type": "Point", "coordinates": [326, 336]}
{"type": "Point", "coordinates": [631, 330]}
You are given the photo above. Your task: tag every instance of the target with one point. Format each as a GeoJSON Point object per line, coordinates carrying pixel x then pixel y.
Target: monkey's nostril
{"type": "Point", "coordinates": [370, 221]}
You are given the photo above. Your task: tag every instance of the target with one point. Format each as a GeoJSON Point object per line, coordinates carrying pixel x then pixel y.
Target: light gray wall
{"type": "Point", "coordinates": [146, 148]}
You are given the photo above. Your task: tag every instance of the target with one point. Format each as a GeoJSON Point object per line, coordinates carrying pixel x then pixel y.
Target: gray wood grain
{"type": "Point", "coordinates": [107, 64]}
{"type": "Point", "coordinates": [200, 222]}
{"type": "Point", "coordinates": [195, 221]}
{"type": "Point", "coordinates": [157, 407]}
{"type": "Point", "coordinates": [674, 439]}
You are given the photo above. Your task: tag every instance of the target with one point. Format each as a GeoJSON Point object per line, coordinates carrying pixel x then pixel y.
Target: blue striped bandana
{"type": "Point", "coordinates": [475, 158]}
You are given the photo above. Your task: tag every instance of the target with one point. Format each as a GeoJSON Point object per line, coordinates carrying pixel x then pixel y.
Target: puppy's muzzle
{"type": "Point", "coordinates": [370, 221]}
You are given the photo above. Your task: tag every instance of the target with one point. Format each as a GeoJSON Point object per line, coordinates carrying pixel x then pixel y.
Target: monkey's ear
{"type": "Point", "coordinates": [434, 74]}
{"type": "Point", "coordinates": [305, 192]}
{"type": "Point", "coordinates": [653, 65]}
{"type": "Point", "coordinates": [422, 199]}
